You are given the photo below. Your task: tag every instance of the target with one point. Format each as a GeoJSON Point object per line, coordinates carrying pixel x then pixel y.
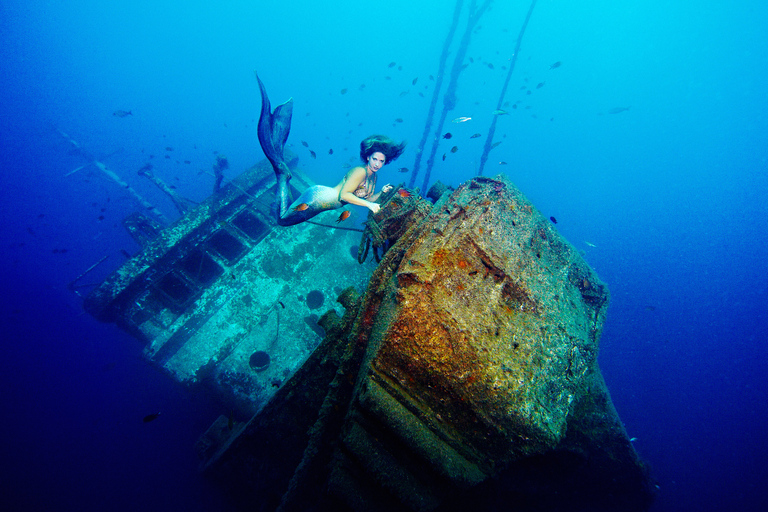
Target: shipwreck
{"type": "Point", "coordinates": [445, 360]}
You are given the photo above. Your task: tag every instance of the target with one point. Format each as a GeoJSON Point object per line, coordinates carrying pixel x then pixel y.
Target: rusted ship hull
{"type": "Point", "coordinates": [465, 377]}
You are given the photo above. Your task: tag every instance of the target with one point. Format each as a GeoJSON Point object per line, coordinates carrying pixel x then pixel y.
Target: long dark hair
{"type": "Point", "coordinates": [383, 144]}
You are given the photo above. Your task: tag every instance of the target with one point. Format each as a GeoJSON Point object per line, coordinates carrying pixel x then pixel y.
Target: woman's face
{"type": "Point", "coordinates": [376, 161]}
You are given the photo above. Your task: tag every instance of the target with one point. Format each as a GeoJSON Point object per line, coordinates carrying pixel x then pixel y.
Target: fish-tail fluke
{"type": "Point", "coordinates": [273, 130]}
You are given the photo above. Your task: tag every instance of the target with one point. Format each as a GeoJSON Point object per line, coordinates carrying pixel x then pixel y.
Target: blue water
{"type": "Point", "coordinates": [666, 199]}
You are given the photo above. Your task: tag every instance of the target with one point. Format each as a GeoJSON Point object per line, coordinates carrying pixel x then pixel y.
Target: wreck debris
{"type": "Point", "coordinates": [114, 177]}
{"type": "Point", "coordinates": [182, 204]}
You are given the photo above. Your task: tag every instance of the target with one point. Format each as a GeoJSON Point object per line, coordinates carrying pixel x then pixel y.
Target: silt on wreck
{"type": "Point", "coordinates": [465, 376]}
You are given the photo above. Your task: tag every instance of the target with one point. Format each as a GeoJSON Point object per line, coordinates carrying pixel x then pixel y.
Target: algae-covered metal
{"type": "Point", "coordinates": [220, 296]}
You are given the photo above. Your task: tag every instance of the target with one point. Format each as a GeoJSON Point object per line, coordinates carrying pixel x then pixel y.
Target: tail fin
{"type": "Point", "coordinates": [273, 130]}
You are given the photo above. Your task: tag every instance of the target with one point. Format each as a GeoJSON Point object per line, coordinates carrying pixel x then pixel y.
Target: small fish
{"type": "Point", "coordinates": [454, 149]}
{"type": "Point", "coordinates": [540, 85]}
{"type": "Point", "coordinates": [344, 215]}
{"type": "Point", "coordinates": [101, 217]}
{"type": "Point", "coordinates": [490, 66]}
{"type": "Point", "coordinates": [632, 440]}
{"type": "Point", "coordinates": [461, 119]}
{"type": "Point", "coordinates": [343, 91]}
{"type": "Point", "coordinates": [151, 417]}
{"type": "Point", "coordinates": [554, 220]}
{"type": "Point", "coordinates": [187, 161]}
{"type": "Point", "coordinates": [399, 120]}
{"type": "Point", "coordinates": [413, 82]}
{"type": "Point", "coordinates": [305, 144]}
{"type": "Point", "coordinates": [502, 163]}
{"type": "Point", "coordinates": [122, 113]}
{"type": "Point", "coordinates": [443, 157]}
{"type": "Point", "coordinates": [392, 64]}
{"type": "Point", "coordinates": [447, 135]}
{"type": "Point", "coordinates": [589, 244]}
{"type": "Point", "coordinates": [475, 135]}
{"type": "Point", "coordinates": [618, 110]}
{"type": "Point", "coordinates": [500, 112]}
{"type": "Point", "coordinates": [555, 65]}
{"type": "Point", "coordinates": [301, 207]}
{"type": "Point", "coordinates": [312, 154]}
{"type": "Point", "coordinates": [330, 151]}
{"type": "Point", "coordinates": [403, 169]}
{"type": "Point", "coordinates": [403, 193]}
{"type": "Point", "coordinates": [495, 144]}
{"type": "Point", "coordinates": [169, 148]}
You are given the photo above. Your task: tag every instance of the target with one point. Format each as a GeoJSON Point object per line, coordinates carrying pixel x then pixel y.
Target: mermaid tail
{"type": "Point", "coordinates": [318, 199]}
{"type": "Point", "coordinates": [273, 131]}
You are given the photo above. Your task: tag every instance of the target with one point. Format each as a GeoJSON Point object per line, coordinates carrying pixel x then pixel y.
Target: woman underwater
{"type": "Point", "coordinates": [357, 187]}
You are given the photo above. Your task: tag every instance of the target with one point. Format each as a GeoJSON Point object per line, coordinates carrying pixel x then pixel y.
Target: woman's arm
{"type": "Point", "coordinates": [355, 177]}
{"type": "Point", "coordinates": [386, 188]}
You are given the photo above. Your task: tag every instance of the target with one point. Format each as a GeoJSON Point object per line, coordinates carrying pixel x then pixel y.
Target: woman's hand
{"type": "Point", "coordinates": [386, 188]}
{"type": "Point", "coordinates": [374, 207]}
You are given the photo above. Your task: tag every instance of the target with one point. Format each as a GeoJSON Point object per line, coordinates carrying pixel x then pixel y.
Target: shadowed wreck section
{"type": "Point", "coordinates": [465, 377]}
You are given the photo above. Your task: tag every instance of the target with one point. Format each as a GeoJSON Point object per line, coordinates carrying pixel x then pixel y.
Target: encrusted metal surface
{"type": "Point", "coordinates": [224, 281]}
{"type": "Point", "coordinates": [466, 377]}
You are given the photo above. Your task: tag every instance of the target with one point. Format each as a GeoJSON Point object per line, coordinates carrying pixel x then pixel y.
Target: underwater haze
{"type": "Point", "coordinates": [640, 126]}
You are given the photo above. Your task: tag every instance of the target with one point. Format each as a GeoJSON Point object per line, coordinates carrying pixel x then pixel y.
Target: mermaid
{"type": "Point", "coordinates": [358, 186]}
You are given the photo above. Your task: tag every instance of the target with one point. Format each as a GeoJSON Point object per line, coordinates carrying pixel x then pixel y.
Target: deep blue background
{"type": "Point", "coordinates": [669, 192]}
